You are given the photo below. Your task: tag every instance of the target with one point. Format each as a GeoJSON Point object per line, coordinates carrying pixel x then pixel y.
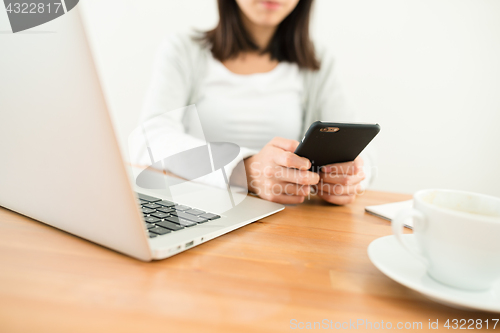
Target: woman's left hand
{"type": "Point", "coordinates": [340, 183]}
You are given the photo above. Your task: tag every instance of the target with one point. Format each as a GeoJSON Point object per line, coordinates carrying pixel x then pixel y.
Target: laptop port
{"type": "Point", "coordinates": [189, 244]}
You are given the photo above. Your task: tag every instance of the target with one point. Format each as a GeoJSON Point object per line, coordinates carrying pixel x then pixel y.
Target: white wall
{"type": "Point", "coordinates": [428, 71]}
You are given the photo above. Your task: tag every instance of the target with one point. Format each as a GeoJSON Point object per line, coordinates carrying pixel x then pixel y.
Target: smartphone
{"type": "Point", "coordinates": [328, 143]}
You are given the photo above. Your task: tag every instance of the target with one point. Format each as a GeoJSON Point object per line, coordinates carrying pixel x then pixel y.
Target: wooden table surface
{"type": "Point", "coordinates": [306, 263]}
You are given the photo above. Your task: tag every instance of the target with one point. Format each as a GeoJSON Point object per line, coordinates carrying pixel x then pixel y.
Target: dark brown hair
{"type": "Point", "coordinates": [290, 42]}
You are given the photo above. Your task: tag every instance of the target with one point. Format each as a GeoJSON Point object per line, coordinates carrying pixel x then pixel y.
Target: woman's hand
{"type": "Point", "coordinates": [340, 182]}
{"type": "Point", "coordinates": [277, 174]}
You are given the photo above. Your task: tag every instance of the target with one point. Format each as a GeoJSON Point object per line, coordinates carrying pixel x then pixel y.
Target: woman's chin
{"type": "Point", "coordinates": [268, 21]}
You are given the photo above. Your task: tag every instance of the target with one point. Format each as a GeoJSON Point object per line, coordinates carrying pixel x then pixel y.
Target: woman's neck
{"type": "Point", "coordinates": [254, 62]}
{"type": "Point", "coordinates": [260, 34]}
{"type": "Point", "coordinates": [250, 63]}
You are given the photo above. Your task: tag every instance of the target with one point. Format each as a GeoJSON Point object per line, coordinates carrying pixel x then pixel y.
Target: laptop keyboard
{"type": "Point", "coordinates": [162, 217]}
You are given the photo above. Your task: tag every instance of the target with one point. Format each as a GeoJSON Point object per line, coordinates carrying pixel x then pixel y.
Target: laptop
{"type": "Point", "coordinates": [61, 164]}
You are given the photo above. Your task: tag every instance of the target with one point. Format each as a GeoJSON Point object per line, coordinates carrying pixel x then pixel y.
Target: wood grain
{"type": "Point", "coordinates": [307, 263]}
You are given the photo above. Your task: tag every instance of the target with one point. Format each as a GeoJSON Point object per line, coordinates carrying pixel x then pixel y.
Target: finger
{"type": "Point", "coordinates": [295, 189]}
{"type": "Point", "coordinates": [290, 160]}
{"type": "Point", "coordinates": [334, 178]}
{"type": "Point", "coordinates": [346, 168]}
{"type": "Point", "coordinates": [285, 144]}
{"type": "Point", "coordinates": [286, 199]}
{"type": "Point", "coordinates": [270, 187]}
{"type": "Point", "coordinates": [301, 177]}
{"type": "Point", "coordinates": [337, 189]}
{"type": "Point", "coordinates": [337, 199]}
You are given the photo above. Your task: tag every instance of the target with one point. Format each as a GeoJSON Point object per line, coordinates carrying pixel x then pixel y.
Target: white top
{"type": "Point", "coordinates": [249, 110]}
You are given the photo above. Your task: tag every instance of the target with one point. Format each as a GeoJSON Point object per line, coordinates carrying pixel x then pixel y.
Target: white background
{"type": "Point", "coordinates": [428, 71]}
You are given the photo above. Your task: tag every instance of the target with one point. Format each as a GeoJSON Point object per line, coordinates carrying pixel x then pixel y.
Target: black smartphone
{"type": "Point", "coordinates": [328, 143]}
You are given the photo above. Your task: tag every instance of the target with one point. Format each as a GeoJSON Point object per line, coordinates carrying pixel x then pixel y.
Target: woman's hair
{"type": "Point", "coordinates": [290, 42]}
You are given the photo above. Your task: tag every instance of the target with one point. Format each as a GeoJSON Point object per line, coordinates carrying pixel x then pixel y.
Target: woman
{"type": "Point", "coordinates": [257, 81]}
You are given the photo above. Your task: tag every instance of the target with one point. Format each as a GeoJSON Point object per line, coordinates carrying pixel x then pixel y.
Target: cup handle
{"type": "Point", "coordinates": [397, 229]}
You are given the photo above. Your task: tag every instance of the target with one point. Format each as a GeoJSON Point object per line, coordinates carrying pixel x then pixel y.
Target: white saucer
{"type": "Point", "coordinates": [395, 262]}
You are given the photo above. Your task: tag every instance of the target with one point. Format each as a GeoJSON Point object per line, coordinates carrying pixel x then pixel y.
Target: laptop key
{"type": "Point", "coordinates": [189, 217]}
{"type": "Point", "coordinates": [170, 225]}
{"type": "Point", "coordinates": [148, 211]}
{"type": "Point", "coordinates": [151, 206]}
{"type": "Point", "coordinates": [159, 231]}
{"type": "Point", "coordinates": [151, 219]}
{"type": "Point", "coordinates": [147, 198]}
{"type": "Point", "coordinates": [166, 203]}
{"type": "Point", "coordinates": [182, 207]}
{"type": "Point", "coordinates": [183, 222]}
{"type": "Point", "coordinates": [186, 223]}
{"type": "Point", "coordinates": [166, 210]}
{"type": "Point", "coordinates": [152, 235]}
{"type": "Point", "coordinates": [195, 211]}
{"type": "Point", "coordinates": [209, 216]}
{"type": "Point", "coordinates": [160, 215]}
{"type": "Point", "coordinates": [149, 225]}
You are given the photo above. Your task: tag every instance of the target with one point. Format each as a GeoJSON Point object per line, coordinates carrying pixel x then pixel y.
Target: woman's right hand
{"type": "Point", "coordinates": [277, 174]}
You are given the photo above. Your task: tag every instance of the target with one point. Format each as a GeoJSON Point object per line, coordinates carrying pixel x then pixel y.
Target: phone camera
{"type": "Point", "coordinates": [329, 129]}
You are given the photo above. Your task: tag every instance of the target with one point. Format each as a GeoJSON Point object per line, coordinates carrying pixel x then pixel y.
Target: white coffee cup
{"type": "Point", "coordinates": [457, 235]}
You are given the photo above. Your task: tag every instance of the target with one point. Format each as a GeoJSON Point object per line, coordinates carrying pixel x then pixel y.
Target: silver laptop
{"type": "Point", "coordinates": [60, 161]}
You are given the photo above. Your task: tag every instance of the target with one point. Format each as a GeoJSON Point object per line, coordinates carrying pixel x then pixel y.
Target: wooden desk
{"type": "Point", "coordinates": [307, 263]}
